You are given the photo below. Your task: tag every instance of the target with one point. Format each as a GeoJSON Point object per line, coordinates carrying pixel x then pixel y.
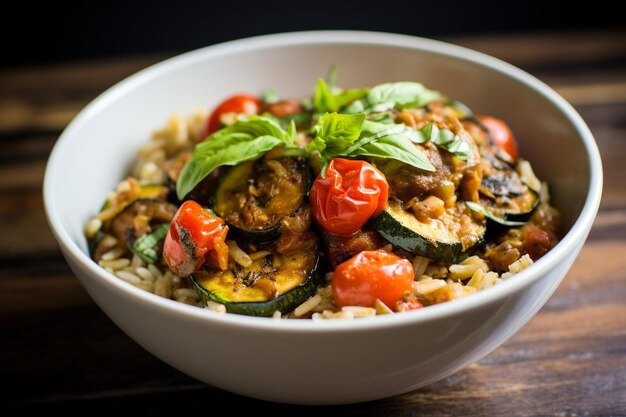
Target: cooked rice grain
{"type": "Point", "coordinates": [216, 307]}
{"type": "Point", "coordinates": [307, 306]}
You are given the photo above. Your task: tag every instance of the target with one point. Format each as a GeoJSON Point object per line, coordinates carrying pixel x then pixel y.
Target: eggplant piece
{"type": "Point", "coordinates": [505, 195]}
{"type": "Point", "coordinates": [255, 197]}
{"type": "Point", "coordinates": [140, 217]}
{"type": "Point", "coordinates": [342, 248]}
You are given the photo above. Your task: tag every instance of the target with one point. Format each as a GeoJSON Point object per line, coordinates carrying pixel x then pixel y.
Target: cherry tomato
{"type": "Point", "coordinates": [195, 236]}
{"type": "Point", "coordinates": [245, 104]}
{"type": "Point", "coordinates": [535, 241]}
{"type": "Point", "coordinates": [372, 275]}
{"type": "Point", "coordinates": [502, 135]}
{"type": "Point", "coordinates": [352, 192]}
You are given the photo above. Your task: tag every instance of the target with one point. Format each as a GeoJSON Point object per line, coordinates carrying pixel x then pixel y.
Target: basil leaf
{"type": "Point", "coordinates": [336, 132]}
{"type": "Point", "coordinates": [326, 100]}
{"type": "Point", "coordinates": [481, 209]}
{"type": "Point", "coordinates": [292, 132]}
{"type": "Point", "coordinates": [350, 135]}
{"type": "Point", "coordinates": [245, 140]}
{"type": "Point", "coordinates": [331, 77]}
{"type": "Point", "coordinates": [402, 94]}
{"type": "Point", "coordinates": [147, 244]}
{"type": "Point", "coordinates": [389, 142]}
{"type": "Point", "coordinates": [444, 138]}
{"type": "Point", "coordinates": [399, 95]}
{"type": "Point", "coordinates": [381, 118]}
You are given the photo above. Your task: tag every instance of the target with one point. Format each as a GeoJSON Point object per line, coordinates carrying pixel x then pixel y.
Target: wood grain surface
{"type": "Point", "coordinates": [60, 352]}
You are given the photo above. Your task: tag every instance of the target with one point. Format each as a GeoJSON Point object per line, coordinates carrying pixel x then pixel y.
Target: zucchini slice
{"type": "Point", "coordinates": [505, 195]}
{"type": "Point", "coordinates": [448, 238]}
{"type": "Point", "coordinates": [254, 197]}
{"type": "Point", "coordinates": [272, 283]}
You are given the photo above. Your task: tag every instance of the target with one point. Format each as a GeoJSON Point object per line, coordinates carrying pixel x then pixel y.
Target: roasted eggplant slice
{"type": "Point", "coordinates": [139, 218]}
{"type": "Point", "coordinates": [505, 195]}
{"type": "Point", "coordinates": [448, 238]}
{"type": "Point", "coordinates": [342, 248]}
{"type": "Point", "coordinates": [254, 197]}
{"type": "Point", "coordinates": [271, 283]}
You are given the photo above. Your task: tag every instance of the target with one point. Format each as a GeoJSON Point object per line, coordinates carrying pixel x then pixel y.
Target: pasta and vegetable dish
{"type": "Point", "coordinates": [350, 203]}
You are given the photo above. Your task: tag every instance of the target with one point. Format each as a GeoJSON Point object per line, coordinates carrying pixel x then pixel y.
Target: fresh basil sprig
{"type": "Point", "coordinates": [245, 140]}
{"type": "Point", "coordinates": [389, 96]}
{"type": "Point", "coordinates": [446, 139]}
{"type": "Point", "coordinates": [329, 99]}
{"type": "Point", "coordinates": [482, 210]}
{"type": "Point", "coordinates": [350, 135]}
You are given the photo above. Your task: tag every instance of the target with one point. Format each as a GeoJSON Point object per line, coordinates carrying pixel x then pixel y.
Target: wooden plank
{"type": "Point", "coordinates": [599, 93]}
{"type": "Point", "coordinates": [23, 226]}
{"type": "Point", "coordinates": [47, 98]}
{"type": "Point", "coordinates": [544, 48]}
{"type": "Point", "coordinates": [41, 294]}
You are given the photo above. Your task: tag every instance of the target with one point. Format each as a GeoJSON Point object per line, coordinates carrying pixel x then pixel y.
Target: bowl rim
{"type": "Point", "coordinates": [575, 235]}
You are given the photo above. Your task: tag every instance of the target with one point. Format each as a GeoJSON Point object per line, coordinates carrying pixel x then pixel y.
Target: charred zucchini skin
{"type": "Point", "coordinates": [285, 303]}
{"type": "Point", "coordinates": [525, 215]}
{"type": "Point", "coordinates": [257, 236]}
{"type": "Point", "coordinates": [508, 178]}
{"type": "Point", "coordinates": [391, 226]}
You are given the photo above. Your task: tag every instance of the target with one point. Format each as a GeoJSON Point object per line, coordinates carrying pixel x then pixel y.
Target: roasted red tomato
{"type": "Point", "coordinates": [245, 104]}
{"type": "Point", "coordinates": [502, 135]}
{"type": "Point", "coordinates": [196, 236]}
{"type": "Point", "coordinates": [535, 241]}
{"type": "Point", "coordinates": [372, 275]}
{"type": "Point", "coordinates": [352, 192]}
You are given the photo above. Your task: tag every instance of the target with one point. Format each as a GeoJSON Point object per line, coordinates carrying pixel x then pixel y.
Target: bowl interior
{"type": "Point", "coordinates": [97, 149]}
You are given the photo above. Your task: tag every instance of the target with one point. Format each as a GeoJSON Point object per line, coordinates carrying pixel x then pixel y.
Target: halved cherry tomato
{"type": "Point", "coordinates": [352, 192]}
{"type": "Point", "coordinates": [372, 275]}
{"type": "Point", "coordinates": [502, 135]}
{"type": "Point", "coordinates": [245, 104]}
{"type": "Point", "coordinates": [195, 236]}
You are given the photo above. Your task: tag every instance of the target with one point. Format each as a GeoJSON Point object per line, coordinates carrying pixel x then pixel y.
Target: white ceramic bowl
{"type": "Point", "coordinates": [303, 361]}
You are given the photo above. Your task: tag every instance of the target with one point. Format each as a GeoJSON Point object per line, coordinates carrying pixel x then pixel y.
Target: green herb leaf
{"type": "Point", "coordinates": [292, 132]}
{"type": "Point", "coordinates": [245, 140]}
{"type": "Point", "coordinates": [390, 142]}
{"type": "Point", "coordinates": [350, 135]}
{"type": "Point", "coordinates": [146, 245]}
{"type": "Point", "coordinates": [331, 77]}
{"type": "Point", "coordinates": [444, 138]}
{"type": "Point", "coordinates": [326, 100]}
{"type": "Point", "coordinates": [481, 209]}
{"type": "Point", "coordinates": [388, 96]}
{"type": "Point", "coordinates": [336, 132]}
{"type": "Point", "coordinates": [381, 118]}
{"type": "Point", "coordinates": [402, 94]}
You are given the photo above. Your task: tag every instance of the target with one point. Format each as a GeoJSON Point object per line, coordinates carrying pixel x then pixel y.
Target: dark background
{"type": "Point", "coordinates": [71, 30]}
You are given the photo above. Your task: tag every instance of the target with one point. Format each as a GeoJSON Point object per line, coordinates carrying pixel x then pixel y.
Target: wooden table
{"type": "Point", "coordinates": [59, 351]}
